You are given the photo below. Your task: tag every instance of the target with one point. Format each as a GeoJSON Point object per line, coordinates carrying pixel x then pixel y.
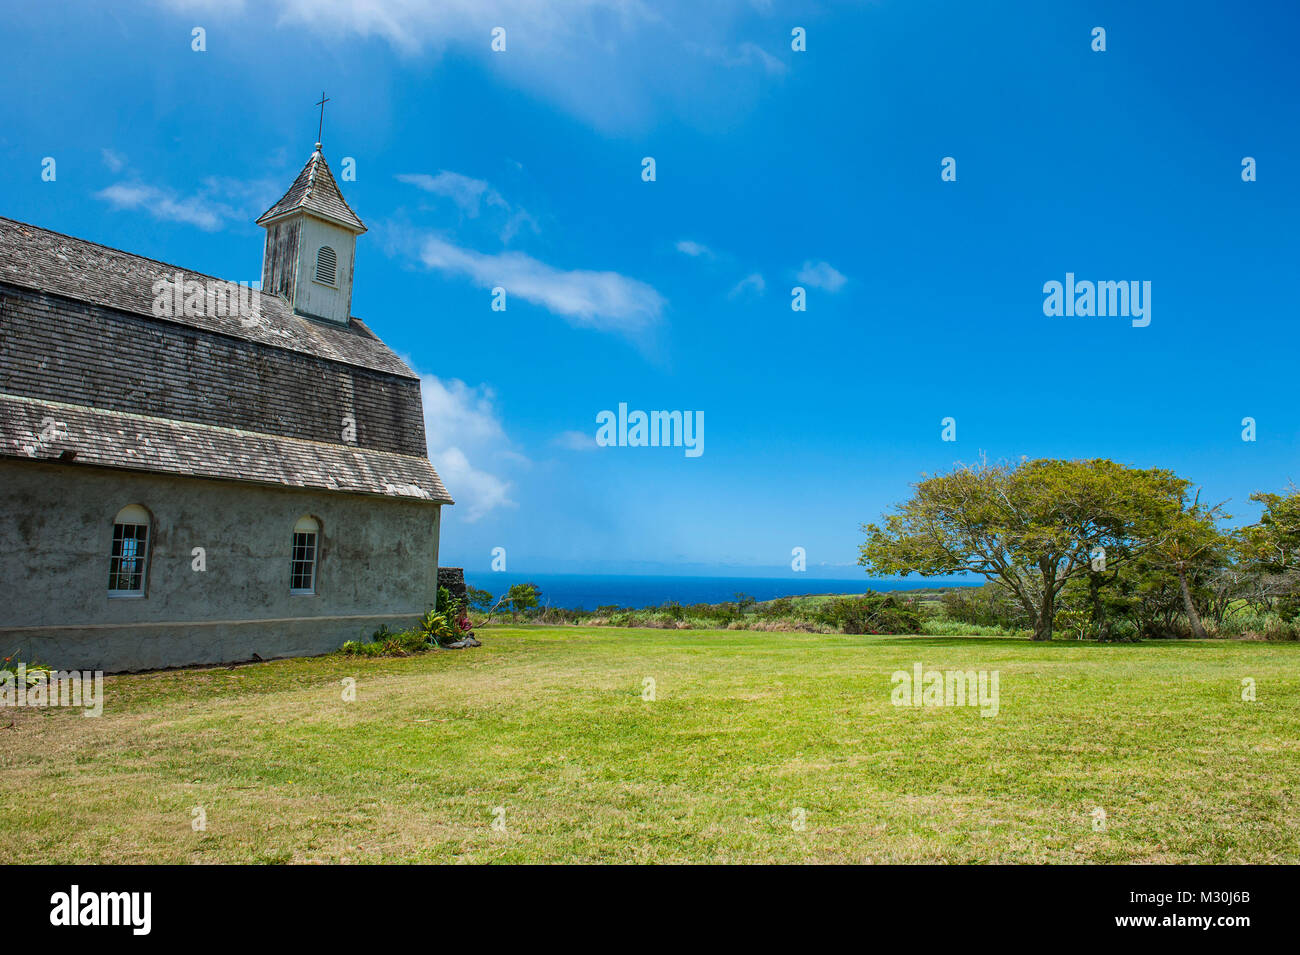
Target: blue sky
{"type": "Point", "coordinates": [775, 169]}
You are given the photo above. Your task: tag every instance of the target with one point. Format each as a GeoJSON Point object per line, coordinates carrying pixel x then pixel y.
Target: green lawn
{"type": "Point", "coordinates": [746, 729]}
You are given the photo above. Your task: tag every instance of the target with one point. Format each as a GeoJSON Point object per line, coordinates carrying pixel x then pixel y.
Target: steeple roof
{"type": "Point", "coordinates": [315, 191]}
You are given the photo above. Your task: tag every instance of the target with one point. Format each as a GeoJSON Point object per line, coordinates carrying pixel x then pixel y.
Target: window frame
{"type": "Point", "coordinates": [138, 517]}
{"type": "Point", "coordinates": [301, 529]}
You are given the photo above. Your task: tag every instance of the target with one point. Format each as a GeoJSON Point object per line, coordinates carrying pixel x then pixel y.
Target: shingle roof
{"type": "Point", "coordinates": [316, 192]}
{"type": "Point", "coordinates": [47, 430]}
{"type": "Point", "coordinates": [35, 258]}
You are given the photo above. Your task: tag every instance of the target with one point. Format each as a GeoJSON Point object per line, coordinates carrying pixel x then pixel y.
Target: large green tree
{"type": "Point", "coordinates": [1270, 552]}
{"type": "Point", "coordinates": [1192, 547]}
{"type": "Point", "coordinates": [1033, 526]}
{"type": "Point", "coordinates": [1273, 542]}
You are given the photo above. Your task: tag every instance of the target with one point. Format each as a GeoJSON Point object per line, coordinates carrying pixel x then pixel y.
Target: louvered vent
{"type": "Point", "coordinates": [327, 263]}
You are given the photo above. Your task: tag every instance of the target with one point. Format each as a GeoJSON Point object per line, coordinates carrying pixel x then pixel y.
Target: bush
{"type": "Point", "coordinates": [34, 672]}
{"type": "Point", "coordinates": [1278, 628]}
{"type": "Point", "coordinates": [775, 609]}
{"type": "Point", "coordinates": [985, 606]}
{"type": "Point", "coordinates": [438, 626]}
{"type": "Point", "coordinates": [944, 627]}
{"type": "Point", "coordinates": [870, 613]}
{"type": "Point", "coordinates": [403, 643]}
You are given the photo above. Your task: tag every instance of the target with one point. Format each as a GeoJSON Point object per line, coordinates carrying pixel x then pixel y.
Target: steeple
{"type": "Point", "coordinates": [311, 236]}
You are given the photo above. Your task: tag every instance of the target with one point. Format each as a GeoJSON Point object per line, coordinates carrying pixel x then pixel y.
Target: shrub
{"type": "Point", "coordinates": [438, 627]}
{"type": "Point", "coordinates": [673, 610]}
{"type": "Point", "coordinates": [34, 672]}
{"type": "Point", "coordinates": [986, 606]}
{"type": "Point", "coordinates": [870, 613]}
{"type": "Point", "coordinates": [1278, 628]}
{"type": "Point", "coordinates": [776, 609]}
{"type": "Point", "coordinates": [402, 643]}
{"type": "Point", "coordinates": [944, 627]}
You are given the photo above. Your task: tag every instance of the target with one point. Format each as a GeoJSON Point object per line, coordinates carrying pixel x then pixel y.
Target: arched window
{"type": "Point", "coordinates": [127, 563]}
{"type": "Point", "coordinates": [327, 265]}
{"type": "Point", "coordinates": [302, 572]}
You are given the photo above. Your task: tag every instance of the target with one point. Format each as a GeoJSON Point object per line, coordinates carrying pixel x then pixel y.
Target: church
{"type": "Point", "coordinates": [197, 472]}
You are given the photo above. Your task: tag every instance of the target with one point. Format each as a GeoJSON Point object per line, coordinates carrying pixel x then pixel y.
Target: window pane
{"type": "Point", "coordinates": [302, 574]}
{"type": "Point", "coordinates": [127, 561]}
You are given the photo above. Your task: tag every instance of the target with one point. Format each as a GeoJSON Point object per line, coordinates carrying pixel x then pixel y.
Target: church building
{"type": "Point", "coordinates": [194, 471]}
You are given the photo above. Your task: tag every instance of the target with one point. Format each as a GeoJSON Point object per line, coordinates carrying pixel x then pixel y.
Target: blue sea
{"type": "Point", "coordinates": [589, 591]}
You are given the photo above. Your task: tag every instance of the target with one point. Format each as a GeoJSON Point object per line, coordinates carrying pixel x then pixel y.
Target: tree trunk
{"type": "Point", "coordinates": [1098, 609]}
{"type": "Point", "coordinates": [1046, 611]}
{"type": "Point", "coordinates": [1194, 618]}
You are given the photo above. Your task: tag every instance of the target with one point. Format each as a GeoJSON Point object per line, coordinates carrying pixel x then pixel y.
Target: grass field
{"type": "Point", "coordinates": [746, 729]}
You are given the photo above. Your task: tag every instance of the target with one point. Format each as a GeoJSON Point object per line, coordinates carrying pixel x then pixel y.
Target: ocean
{"type": "Point", "coordinates": [589, 591]}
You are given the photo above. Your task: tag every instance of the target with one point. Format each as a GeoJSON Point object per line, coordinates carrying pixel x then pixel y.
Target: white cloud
{"type": "Point", "coordinates": [466, 192]}
{"type": "Point", "coordinates": [474, 490]}
{"type": "Point", "coordinates": [615, 63]}
{"type": "Point", "coordinates": [821, 275]}
{"type": "Point", "coordinates": [470, 195]}
{"type": "Point", "coordinates": [460, 421]}
{"type": "Point", "coordinates": [113, 160]}
{"type": "Point", "coordinates": [750, 283]}
{"type": "Point", "coordinates": [695, 250]}
{"type": "Point", "coordinates": [606, 301]}
{"type": "Point", "coordinates": [412, 25]}
{"type": "Point", "coordinates": [220, 201]}
{"type": "Point", "coordinates": [751, 52]}
{"type": "Point", "coordinates": [166, 205]}
{"type": "Point", "coordinates": [575, 441]}
{"type": "Point", "coordinates": [745, 55]}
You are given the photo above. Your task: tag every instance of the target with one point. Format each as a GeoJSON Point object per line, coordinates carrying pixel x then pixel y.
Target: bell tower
{"type": "Point", "coordinates": [311, 241]}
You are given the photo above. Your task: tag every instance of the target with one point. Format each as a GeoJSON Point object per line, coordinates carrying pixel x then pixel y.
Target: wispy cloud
{"type": "Point", "coordinates": [167, 206]}
{"type": "Point", "coordinates": [470, 195]}
{"type": "Point", "coordinates": [465, 191]}
{"type": "Point", "coordinates": [575, 441]}
{"type": "Point", "coordinates": [746, 55]}
{"type": "Point", "coordinates": [461, 422]}
{"type": "Point", "coordinates": [606, 301]}
{"type": "Point", "coordinates": [695, 250]}
{"type": "Point", "coordinates": [113, 160]}
{"type": "Point", "coordinates": [218, 203]}
{"type": "Point", "coordinates": [615, 63]}
{"type": "Point", "coordinates": [753, 53]}
{"type": "Point", "coordinates": [751, 284]}
{"type": "Point", "coordinates": [821, 275]}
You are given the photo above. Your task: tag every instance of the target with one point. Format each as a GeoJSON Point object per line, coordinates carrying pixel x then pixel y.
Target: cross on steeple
{"type": "Point", "coordinates": [321, 126]}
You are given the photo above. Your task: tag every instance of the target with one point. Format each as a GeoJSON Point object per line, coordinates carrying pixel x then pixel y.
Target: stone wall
{"type": "Point", "coordinates": [453, 578]}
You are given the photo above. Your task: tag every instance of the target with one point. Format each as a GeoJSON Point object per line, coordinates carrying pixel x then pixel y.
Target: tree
{"type": "Point", "coordinates": [523, 597]}
{"type": "Point", "coordinates": [480, 600]}
{"type": "Point", "coordinates": [1273, 543]}
{"type": "Point", "coordinates": [519, 598]}
{"type": "Point", "coordinates": [1270, 549]}
{"type": "Point", "coordinates": [1192, 547]}
{"type": "Point", "coordinates": [1034, 527]}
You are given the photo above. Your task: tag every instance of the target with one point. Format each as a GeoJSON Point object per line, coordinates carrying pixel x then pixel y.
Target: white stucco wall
{"type": "Point", "coordinates": [377, 564]}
